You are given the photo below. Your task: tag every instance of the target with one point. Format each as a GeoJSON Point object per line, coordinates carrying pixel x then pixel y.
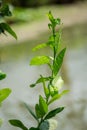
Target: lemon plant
{"type": "Point", "coordinates": [51, 84]}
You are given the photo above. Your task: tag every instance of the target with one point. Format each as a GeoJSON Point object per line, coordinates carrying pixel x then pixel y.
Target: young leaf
{"type": "Point", "coordinates": [39, 60]}
{"type": "Point", "coordinates": [5, 27]}
{"type": "Point", "coordinates": [40, 80]}
{"type": "Point", "coordinates": [58, 61]}
{"type": "Point", "coordinates": [30, 111]}
{"type": "Point", "coordinates": [4, 93]}
{"type": "Point", "coordinates": [58, 96]}
{"type": "Point", "coordinates": [44, 125]}
{"type": "Point", "coordinates": [46, 90]}
{"type": "Point", "coordinates": [50, 16]}
{"type": "Point", "coordinates": [42, 105]}
{"type": "Point", "coordinates": [42, 45]}
{"type": "Point", "coordinates": [54, 112]}
{"type": "Point", "coordinates": [18, 123]}
{"type": "Point", "coordinates": [2, 75]}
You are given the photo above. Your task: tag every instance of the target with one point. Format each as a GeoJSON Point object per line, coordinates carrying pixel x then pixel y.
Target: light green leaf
{"type": "Point", "coordinates": [2, 75]}
{"type": "Point", "coordinates": [42, 45]}
{"type": "Point", "coordinates": [42, 105]}
{"type": "Point", "coordinates": [18, 123]}
{"type": "Point", "coordinates": [40, 60]}
{"type": "Point", "coordinates": [5, 27]}
{"type": "Point", "coordinates": [30, 111]}
{"type": "Point", "coordinates": [54, 112]}
{"type": "Point", "coordinates": [50, 16]}
{"type": "Point", "coordinates": [46, 90]}
{"type": "Point", "coordinates": [58, 96]}
{"type": "Point", "coordinates": [4, 93]}
{"type": "Point", "coordinates": [58, 21]}
{"type": "Point", "coordinates": [58, 61]}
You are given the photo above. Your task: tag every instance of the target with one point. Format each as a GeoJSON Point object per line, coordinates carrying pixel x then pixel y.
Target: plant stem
{"type": "Point", "coordinates": [54, 52]}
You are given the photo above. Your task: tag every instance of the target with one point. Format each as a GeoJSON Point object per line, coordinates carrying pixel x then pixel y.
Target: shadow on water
{"type": "Point", "coordinates": [14, 60]}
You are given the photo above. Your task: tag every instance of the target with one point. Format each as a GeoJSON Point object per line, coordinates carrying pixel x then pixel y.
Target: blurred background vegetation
{"type": "Point", "coordinates": [29, 21]}
{"type": "Point", "coordinates": [36, 3]}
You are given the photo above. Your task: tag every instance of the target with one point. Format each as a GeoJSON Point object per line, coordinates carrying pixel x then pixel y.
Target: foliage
{"type": "Point", "coordinates": [51, 85]}
{"type": "Point", "coordinates": [36, 3]}
{"type": "Point", "coordinates": [4, 11]}
{"type": "Point", "coordinates": [4, 93]}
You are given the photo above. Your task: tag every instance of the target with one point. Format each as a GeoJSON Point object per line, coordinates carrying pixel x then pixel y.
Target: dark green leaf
{"type": "Point", "coordinates": [5, 27]}
{"type": "Point", "coordinates": [42, 105]}
{"type": "Point", "coordinates": [49, 25]}
{"type": "Point", "coordinates": [4, 93]}
{"type": "Point", "coordinates": [2, 75]}
{"type": "Point", "coordinates": [44, 125]}
{"type": "Point", "coordinates": [32, 128]}
{"type": "Point", "coordinates": [30, 111]}
{"type": "Point", "coordinates": [39, 60]}
{"type": "Point", "coordinates": [4, 11]}
{"type": "Point", "coordinates": [40, 80]}
{"type": "Point", "coordinates": [18, 123]}
{"type": "Point", "coordinates": [54, 112]}
{"type": "Point", "coordinates": [38, 112]}
{"type": "Point", "coordinates": [58, 61]}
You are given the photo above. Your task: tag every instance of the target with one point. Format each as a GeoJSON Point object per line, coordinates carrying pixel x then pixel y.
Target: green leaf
{"type": "Point", "coordinates": [54, 112]}
{"type": "Point", "coordinates": [4, 11]}
{"type": "Point", "coordinates": [50, 16]}
{"type": "Point", "coordinates": [2, 75]}
{"type": "Point", "coordinates": [5, 27]}
{"type": "Point", "coordinates": [42, 105]}
{"type": "Point", "coordinates": [30, 111]}
{"type": "Point", "coordinates": [4, 93]}
{"type": "Point", "coordinates": [40, 60]}
{"type": "Point", "coordinates": [40, 80]}
{"type": "Point", "coordinates": [40, 46]}
{"type": "Point", "coordinates": [44, 125]}
{"type": "Point", "coordinates": [58, 40]}
{"type": "Point", "coordinates": [18, 123]}
{"type": "Point", "coordinates": [49, 25]}
{"type": "Point", "coordinates": [46, 90]}
{"type": "Point", "coordinates": [58, 21]}
{"type": "Point", "coordinates": [58, 96]}
{"type": "Point", "coordinates": [38, 112]}
{"type": "Point", "coordinates": [58, 61]}
{"type": "Point", "coordinates": [32, 128]}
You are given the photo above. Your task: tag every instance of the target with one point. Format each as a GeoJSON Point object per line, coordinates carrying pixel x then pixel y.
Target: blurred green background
{"type": "Point", "coordinates": [29, 21]}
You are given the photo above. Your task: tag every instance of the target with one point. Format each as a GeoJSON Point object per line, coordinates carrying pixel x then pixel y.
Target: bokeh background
{"type": "Point", "coordinates": [29, 21]}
